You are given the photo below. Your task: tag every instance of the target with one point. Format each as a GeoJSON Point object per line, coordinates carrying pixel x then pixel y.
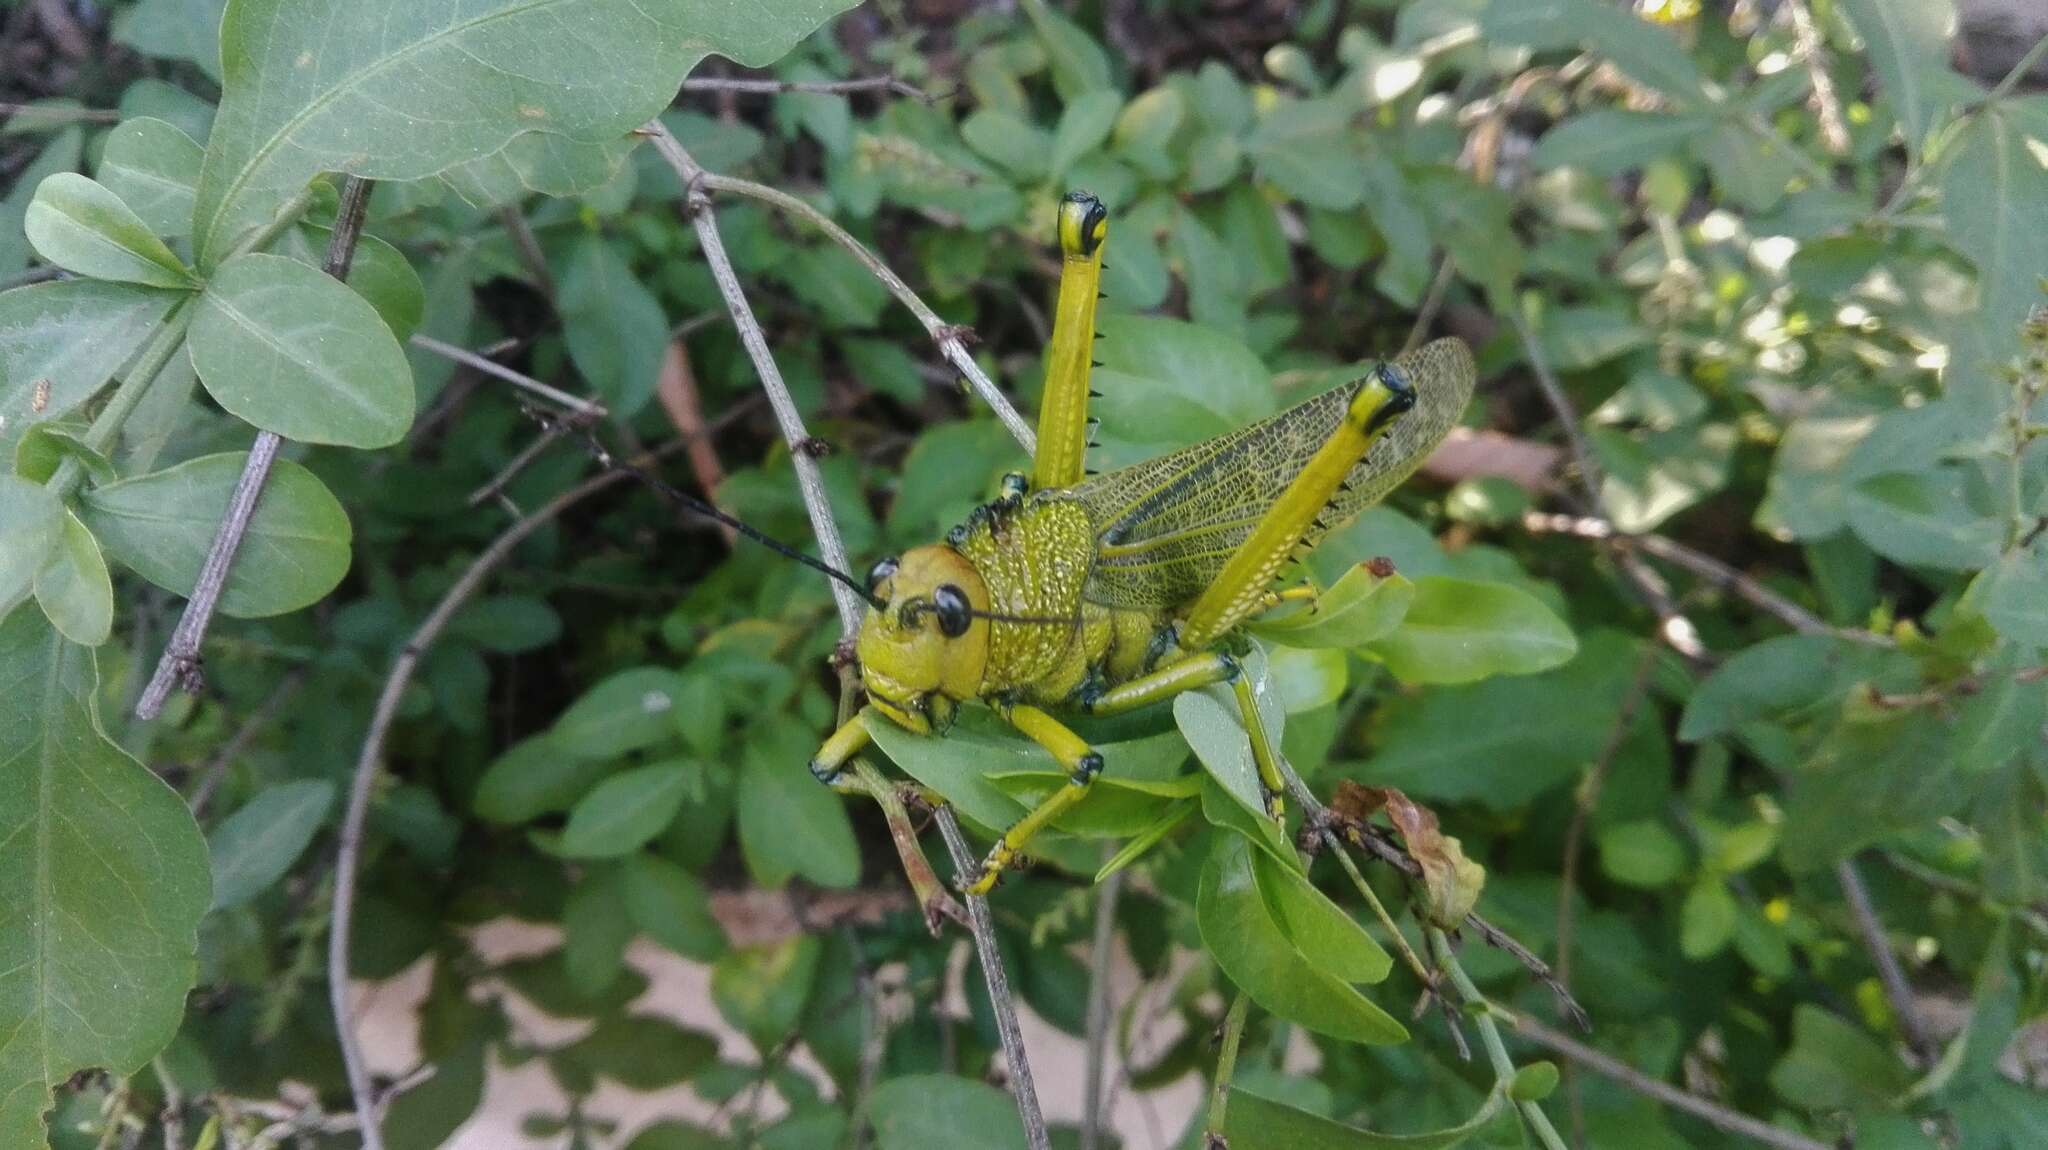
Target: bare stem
{"type": "Point", "coordinates": [1101, 954]}
{"type": "Point", "coordinates": [2018, 71]}
{"type": "Point", "coordinates": [1896, 989]}
{"type": "Point", "coordinates": [1482, 1013]}
{"type": "Point", "coordinates": [950, 337]}
{"type": "Point", "coordinates": [1226, 1069]}
{"type": "Point", "coordinates": [180, 664]}
{"type": "Point", "coordinates": [582, 407]}
{"type": "Point", "coordinates": [1705, 1109]}
{"type": "Point", "coordinates": [998, 980]}
{"type": "Point", "coordinates": [1827, 106]}
{"type": "Point", "coordinates": [809, 480]}
{"type": "Point", "coordinates": [889, 84]}
{"type": "Point", "coordinates": [348, 856]}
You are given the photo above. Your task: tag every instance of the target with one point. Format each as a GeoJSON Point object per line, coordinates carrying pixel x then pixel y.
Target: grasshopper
{"type": "Point", "coordinates": [1102, 594]}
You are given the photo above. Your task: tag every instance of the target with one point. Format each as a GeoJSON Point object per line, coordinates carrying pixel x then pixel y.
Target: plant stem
{"type": "Point", "coordinates": [1102, 952]}
{"type": "Point", "coordinates": [888, 84]}
{"type": "Point", "coordinates": [949, 337]}
{"type": "Point", "coordinates": [585, 408]}
{"type": "Point", "coordinates": [106, 426]}
{"type": "Point", "coordinates": [1482, 1012]}
{"type": "Point", "coordinates": [1335, 846]}
{"type": "Point", "coordinates": [2018, 71]}
{"type": "Point", "coordinates": [1226, 1068]}
{"type": "Point", "coordinates": [1897, 991]}
{"type": "Point", "coordinates": [179, 666]}
{"type": "Point", "coordinates": [998, 979]}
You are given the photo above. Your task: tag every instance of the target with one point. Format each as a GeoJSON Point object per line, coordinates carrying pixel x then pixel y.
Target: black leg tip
{"type": "Point", "coordinates": [1087, 768]}
{"type": "Point", "coordinates": [825, 774]}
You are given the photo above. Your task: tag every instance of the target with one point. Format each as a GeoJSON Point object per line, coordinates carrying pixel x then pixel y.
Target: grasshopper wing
{"type": "Point", "coordinates": [1164, 528]}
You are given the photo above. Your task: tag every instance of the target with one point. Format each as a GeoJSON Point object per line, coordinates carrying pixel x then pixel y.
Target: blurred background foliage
{"type": "Point", "coordinates": [1780, 258]}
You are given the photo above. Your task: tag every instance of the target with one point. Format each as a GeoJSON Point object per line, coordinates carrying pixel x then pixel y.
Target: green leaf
{"type": "Point", "coordinates": [1651, 476]}
{"type": "Point", "coordinates": [595, 932]}
{"type": "Point", "coordinates": [73, 587]}
{"type": "Point", "coordinates": [1923, 518]}
{"type": "Point", "coordinates": [1780, 674]}
{"type": "Point", "coordinates": [1907, 42]}
{"type": "Point", "coordinates": [1083, 126]}
{"type": "Point", "coordinates": [1646, 52]}
{"type": "Point", "coordinates": [1015, 143]}
{"type": "Point", "coordinates": [624, 812]}
{"type": "Point", "coordinates": [366, 88]}
{"type": "Point", "coordinates": [761, 990]}
{"type": "Point", "coordinates": [789, 823]}
{"type": "Point", "coordinates": [545, 162]}
{"type": "Point", "coordinates": [616, 329]}
{"type": "Point", "coordinates": [1309, 149]}
{"type": "Point", "coordinates": [1641, 854]}
{"type": "Point", "coordinates": [103, 881]}
{"type": "Point", "coordinates": [627, 711]}
{"type": "Point", "coordinates": [1357, 609]}
{"type": "Point", "coordinates": [31, 525]}
{"type": "Point", "coordinates": [1459, 630]}
{"type": "Point", "coordinates": [80, 226]}
{"type": "Point", "coordinates": [161, 526]}
{"type": "Point", "coordinates": [1834, 1066]}
{"type": "Point", "coordinates": [1166, 384]}
{"type": "Point", "coordinates": [1243, 938]}
{"type": "Point", "coordinates": [1146, 127]}
{"type": "Point", "coordinates": [643, 1052]}
{"type": "Point", "coordinates": [1534, 1082]}
{"type": "Point", "coordinates": [1610, 141]}
{"type": "Point", "coordinates": [154, 168]}
{"type": "Point", "coordinates": [1330, 939]}
{"type": "Point", "coordinates": [2012, 593]}
{"type": "Point", "coordinates": [920, 1111]}
{"type": "Point", "coordinates": [671, 906]}
{"type": "Point", "coordinates": [174, 30]}
{"type": "Point", "coordinates": [532, 778]}
{"type": "Point", "coordinates": [61, 154]}
{"type": "Point", "coordinates": [1079, 65]}
{"type": "Point", "coordinates": [379, 273]}
{"type": "Point", "coordinates": [258, 844]}
{"type": "Point", "coordinates": [1707, 920]}
{"type": "Point", "coordinates": [508, 624]}
{"type": "Point", "coordinates": [1213, 725]}
{"type": "Point", "coordinates": [1577, 338]}
{"type": "Point", "coordinates": [1993, 171]}
{"type": "Point", "coordinates": [74, 334]}
{"type": "Point", "coordinates": [288, 348]}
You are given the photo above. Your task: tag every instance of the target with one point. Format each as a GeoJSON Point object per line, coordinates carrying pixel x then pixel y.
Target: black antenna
{"type": "Point", "coordinates": [604, 457]}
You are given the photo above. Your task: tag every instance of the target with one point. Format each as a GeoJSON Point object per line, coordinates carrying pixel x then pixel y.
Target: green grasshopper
{"type": "Point", "coordinates": [1104, 594]}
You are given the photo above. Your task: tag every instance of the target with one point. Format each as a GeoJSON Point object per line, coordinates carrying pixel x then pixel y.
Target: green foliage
{"type": "Point", "coordinates": [1816, 368]}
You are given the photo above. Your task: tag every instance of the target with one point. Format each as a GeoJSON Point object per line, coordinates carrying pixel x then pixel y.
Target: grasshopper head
{"type": "Point", "coordinates": [923, 649]}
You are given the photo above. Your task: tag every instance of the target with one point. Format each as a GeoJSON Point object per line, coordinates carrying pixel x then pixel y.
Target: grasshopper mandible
{"type": "Point", "coordinates": [1103, 594]}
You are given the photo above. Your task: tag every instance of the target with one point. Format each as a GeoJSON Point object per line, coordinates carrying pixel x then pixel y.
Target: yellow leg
{"type": "Point", "coordinates": [1082, 764]}
{"type": "Point", "coordinates": [1272, 599]}
{"type": "Point", "coordinates": [849, 740]}
{"type": "Point", "coordinates": [1063, 410]}
{"type": "Point", "coordinates": [1241, 586]}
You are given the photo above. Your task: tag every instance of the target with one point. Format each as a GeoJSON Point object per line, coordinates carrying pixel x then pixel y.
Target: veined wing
{"type": "Point", "coordinates": [1165, 527]}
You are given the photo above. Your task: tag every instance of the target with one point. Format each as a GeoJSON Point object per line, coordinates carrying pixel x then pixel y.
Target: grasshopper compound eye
{"type": "Point", "coordinates": [880, 571]}
{"type": "Point", "coordinates": [951, 606]}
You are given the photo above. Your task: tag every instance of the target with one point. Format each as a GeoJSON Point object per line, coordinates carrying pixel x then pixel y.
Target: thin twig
{"type": "Point", "coordinates": [1896, 989]}
{"type": "Point", "coordinates": [998, 980]}
{"type": "Point", "coordinates": [2030, 917]}
{"type": "Point", "coordinates": [1226, 1069]}
{"type": "Point", "coordinates": [180, 664]}
{"type": "Point", "coordinates": [1102, 952]}
{"type": "Point", "coordinates": [809, 480]}
{"type": "Point", "coordinates": [528, 248]}
{"type": "Point", "coordinates": [1827, 106]}
{"type": "Point", "coordinates": [1432, 303]}
{"type": "Point", "coordinates": [35, 275]}
{"type": "Point", "coordinates": [217, 767]}
{"type": "Point", "coordinates": [2018, 71]}
{"type": "Point", "coordinates": [1587, 799]}
{"type": "Point", "coordinates": [587, 409]}
{"type": "Point", "coordinates": [1482, 1012]}
{"type": "Point", "coordinates": [173, 1116]}
{"type": "Point", "coordinates": [349, 852]}
{"type": "Point", "coordinates": [1705, 1109]}
{"type": "Point", "coordinates": [889, 84]}
{"type": "Point", "coordinates": [951, 338]}
{"type": "Point", "coordinates": [58, 114]}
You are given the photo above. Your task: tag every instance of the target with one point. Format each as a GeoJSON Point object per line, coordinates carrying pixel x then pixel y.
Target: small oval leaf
{"type": "Point", "coordinates": [79, 225]}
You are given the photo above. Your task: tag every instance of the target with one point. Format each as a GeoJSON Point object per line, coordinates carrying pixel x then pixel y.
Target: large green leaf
{"type": "Point", "coordinates": [1239, 929]}
{"type": "Point", "coordinates": [290, 349]}
{"type": "Point", "coordinates": [672, 907]}
{"type": "Point", "coordinates": [2013, 594]}
{"type": "Point", "coordinates": [535, 776]}
{"type": "Point", "coordinates": [31, 524]}
{"type": "Point", "coordinates": [1646, 52]}
{"type": "Point", "coordinates": [622, 813]}
{"type": "Point", "coordinates": [162, 525]}
{"type": "Point", "coordinates": [920, 1111]}
{"type": "Point", "coordinates": [789, 823]}
{"type": "Point", "coordinates": [1610, 141]}
{"type": "Point", "coordinates": [154, 167]}
{"type": "Point", "coordinates": [1924, 518]}
{"type": "Point", "coordinates": [615, 327]}
{"type": "Point", "coordinates": [1992, 186]}
{"type": "Point", "coordinates": [762, 989]}
{"type": "Point", "coordinates": [103, 881]}
{"type": "Point", "coordinates": [79, 225]}
{"type": "Point", "coordinates": [1460, 630]}
{"type": "Point", "coordinates": [174, 30]}
{"type": "Point", "coordinates": [1166, 383]}
{"type": "Point", "coordinates": [1255, 1122]}
{"type": "Point", "coordinates": [1907, 43]}
{"type": "Point", "coordinates": [1330, 939]}
{"type": "Point", "coordinates": [402, 89]}
{"type": "Point", "coordinates": [626, 711]}
{"type": "Point", "coordinates": [73, 588]}
{"type": "Point", "coordinates": [260, 842]}
{"type": "Point", "coordinates": [1357, 609]}
{"type": "Point", "coordinates": [74, 335]}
